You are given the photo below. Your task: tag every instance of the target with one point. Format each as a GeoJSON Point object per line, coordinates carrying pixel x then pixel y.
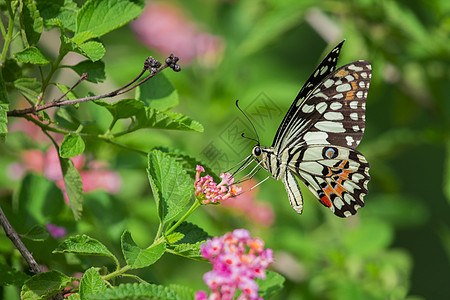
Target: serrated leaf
{"type": "Point", "coordinates": [29, 88]}
{"type": "Point", "coordinates": [174, 237]}
{"type": "Point", "coordinates": [67, 117]}
{"type": "Point", "coordinates": [95, 70]}
{"type": "Point", "coordinates": [63, 10]}
{"type": "Point", "coordinates": [152, 118]}
{"type": "Point", "coordinates": [191, 251]}
{"type": "Point", "coordinates": [31, 21]}
{"type": "Point", "coordinates": [71, 146]}
{"type": "Point", "coordinates": [158, 93]}
{"type": "Point", "coordinates": [122, 109]}
{"type": "Point", "coordinates": [44, 285]}
{"type": "Point", "coordinates": [136, 291]}
{"type": "Point", "coordinates": [83, 245]}
{"type": "Point", "coordinates": [74, 186]}
{"type": "Point", "coordinates": [102, 16]}
{"type": "Point", "coordinates": [192, 233]}
{"type": "Point", "coordinates": [137, 257]}
{"type": "Point", "coordinates": [91, 283]}
{"type": "Point", "coordinates": [172, 187]}
{"type": "Point", "coordinates": [93, 50]}
{"type": "Point", "coordinates": [74, 296]}
{"type": "Point", "coordinates": [270, 286]}
{"type": "Point", "coordinates": [183, 292]}
{"type": "Point", "coordinates": [11, 276]}
{"type": "Point", "coordinates": [36, 233]}
{"type": "Point", "coordinates": [3, 121]}
{"type": "Point", "coordinates": [31, 55]}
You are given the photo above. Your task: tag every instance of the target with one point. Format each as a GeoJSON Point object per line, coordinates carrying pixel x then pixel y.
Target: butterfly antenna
{"type": "Point", "coordinates": [249, 121]}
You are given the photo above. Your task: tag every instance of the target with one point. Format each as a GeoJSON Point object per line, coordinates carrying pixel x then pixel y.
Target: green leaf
{"type": "Point", "coordinates": [122, 109]}
{"type": "Point", "coordinates": [91, 283]}
{"type": "Point", "coordinates": [31, 21]}
{"type": "Point", "coordinates": [270, 286]}
{"type": "Point", "coordinates": [191, 251]}
{"type": "Point", "coordinates": [67, 117]}
{"type": "Point", "coordinates": [36, 233]}
{"type": "Point", "coordinates": [29, 88]}
{"type": "Point", "coordinates": [152, 118]}
{"type": "Point", "coordinates": [83, 245]}
{"type": "Point", "coordinates": [137, 257]}
{"type": "Point", "coordinates": [174, 237]}
{"type": "Point", "coordinates": [45, 285]}
{"type": "Point", "coordinates": [3, 120]}
{"type": "Point", "coordinates": [136, 291]}
{"type": "Point", "coordinates": [192, 233]}
{"type": "Point", "coordinates": [93, 50]}
{"type": "Point", "coordinates": [63, 10]}
{"type": "Point", "coordinates": [95, 70]}
{"type": "Point", "coordinates": [71, 146]}
{"type": "Point", "coordinates": [70, 95]}
{"type": "Point", "coordinates": [171, 186]}
{"type": "Point", "coordinates": [10, 276]}
{"type": "Point", "coordinates": [31, 55]}
{"type": "Point", "coordinates": [183, 292]}
{"type": "Point", "coordinates": [158, 93]}
{"type": "Point", "coordinates": [74, 186]}
{"type": "Point", "coordinates": [74, 296]}
{"type": "Point", "coordinates": [11, 71]}
{"type": "Point", "coordinates": [102, 16]}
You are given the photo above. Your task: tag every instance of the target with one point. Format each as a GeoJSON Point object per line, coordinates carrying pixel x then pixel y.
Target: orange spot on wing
{"type": "Point", "coordinates": [342, 73]}
{"type": "Point", "coordinates": [356, 75]}
{"type": "Point", "coordinates": [354, 85]}
{"type": "Point", "coordinates": [350, 95]}
{"type": "Point", "coordinates": [325, 201]}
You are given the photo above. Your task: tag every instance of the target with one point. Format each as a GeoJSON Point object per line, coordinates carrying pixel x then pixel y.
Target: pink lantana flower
{"type": "Point", "coordinates": [237, 259]}
{"type": "Point", "coordinates": [210, 192]}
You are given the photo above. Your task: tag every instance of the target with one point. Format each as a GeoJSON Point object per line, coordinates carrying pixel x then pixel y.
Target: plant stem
{"type": "Point", "coordinates": [116, 273]}
{"type": "Point", "coordinates": [8, 37]}
{"type": "Point", "coordinates": [187, 214]}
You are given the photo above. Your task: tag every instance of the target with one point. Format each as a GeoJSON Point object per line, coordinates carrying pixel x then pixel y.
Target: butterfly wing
{"type": "Point", "coordinates": [337, 176]}
{"type": "Point", "coordinates": [334, 111]}
{"type": "Point", "coordinates": [327, 66]}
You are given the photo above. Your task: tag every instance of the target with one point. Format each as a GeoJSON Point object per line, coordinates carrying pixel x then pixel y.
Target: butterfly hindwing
{"type": "Point", "coordinates": [336, 175]}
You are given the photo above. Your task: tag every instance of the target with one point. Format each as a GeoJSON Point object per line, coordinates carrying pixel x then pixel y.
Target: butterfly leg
{"type": "Point", "coordinates": [293, 191]}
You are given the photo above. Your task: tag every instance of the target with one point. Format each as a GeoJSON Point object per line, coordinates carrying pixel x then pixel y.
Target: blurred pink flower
{"type": "Point", "coordinates": [210, 192]}
{"type": "Point", "coordinates": [56, 231]}
{"type": "Point", "coordinates": [237, 259]}
{"type": "Point", "coordinates": [166, 28]}
{"type": "Point", "coordinates": [246, 204]}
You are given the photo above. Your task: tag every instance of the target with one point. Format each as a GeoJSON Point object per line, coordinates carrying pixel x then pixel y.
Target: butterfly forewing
{"type": "Point", "coordinates": [334, 112]}
{"type": "Point", "coordinates": [327, 66]}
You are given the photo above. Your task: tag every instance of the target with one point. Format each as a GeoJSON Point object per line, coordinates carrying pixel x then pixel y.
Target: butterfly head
{"type": "Point", "coordinates": [257, 151]}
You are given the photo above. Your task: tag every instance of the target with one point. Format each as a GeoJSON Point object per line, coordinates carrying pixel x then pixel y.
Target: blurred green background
{"type": "Point", "coordinates": [261, 52]}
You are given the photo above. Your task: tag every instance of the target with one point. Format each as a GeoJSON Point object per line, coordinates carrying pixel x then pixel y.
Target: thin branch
{"type": "Point", "coordinates": [15, 239]}
{"type": "Point", "coordinates": [83, 77]}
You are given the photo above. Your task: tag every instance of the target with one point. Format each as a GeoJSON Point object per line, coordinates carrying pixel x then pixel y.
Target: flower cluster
{"type": "Point", "coordinates": [237, 260]}
{"type": "Point", "coordinates": [211, 192]}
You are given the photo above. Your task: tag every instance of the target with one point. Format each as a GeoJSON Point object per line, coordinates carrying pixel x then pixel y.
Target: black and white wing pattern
{"type": "Point", "coordinates": [317, 138]}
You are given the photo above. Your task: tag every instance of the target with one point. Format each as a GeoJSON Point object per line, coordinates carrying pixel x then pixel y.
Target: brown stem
{"type": "Point", "coordinates": [14, 237]}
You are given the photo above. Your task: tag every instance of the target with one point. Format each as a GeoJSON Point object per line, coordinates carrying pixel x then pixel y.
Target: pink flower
{"type": "Point", "coordinates": [166, 28]}
{"type": "Point", "coordinates": [237, 259]}
{"type": "Point", "coordinates": [56, 231]}
{"type": "Point", "coordinates": [210, 192]}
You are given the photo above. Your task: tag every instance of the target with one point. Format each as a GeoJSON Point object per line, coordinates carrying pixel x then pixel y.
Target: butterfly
{"type": "Point", "coordinates": [317, 138]}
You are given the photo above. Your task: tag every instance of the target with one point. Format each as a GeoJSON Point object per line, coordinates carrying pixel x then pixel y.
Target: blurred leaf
{"type": "Point", "coordinates": [10, 71]}
{"type": "Point", "coordinates": [191, 251]}
{"type": "Point", "coordinates": [71, 146]}
{"type": "Point", "coordinates": [63, 10]}
{"type": "Point", "coordinates": [158, 93]}
{"type": "Point", "coordinates": [31, 55]}
{"type": "Point", "coordinates": [11, 276]}
{"type": "Point", "coordinates": [151, 118]}
{"type": "Point", "coordinates": [93, 50]}
{"type": "Point", "coordinates": [446, 185]}
{"type": "Point", "coordinates": [70, 95]}
{"type": "Point", "coordinates": [3, 120]}
{"type": "Point", "coordinates": [67, 117]}
{"type": "Point", "coordinates": [95, 16]}
{"type": "Point", "coordinates": [270, 286]}
{"type": "Point", "coordinates": [74, 296]}
{"type": "Point", "coordinates": [192, 233]}
{"type": "Point", "coordinates": [31, 22]}
{"type": "Point", "coordinates": [183, 292]}
{"type": "Point", "coordinates": [91, 283]}
{"type": "Point", "coordinates": [95, 70]}
{"type": "Point", "coordinates": [83, 245]}
{"type": "Point", "coordinates": [74, 186]}
{"type": "Point", "coordinates": [30, 88]}
{"type": "Point", "coordinates": [139, 258]}
{"type": "Point", "coordinates": [45, 285]}
{"type": "Point", "coordinates": [370, 238]}
{"type": "Point", "coordinates": [172, 188]}
{"type": "Point", "coordinates": [136, 291]}
{"type": "Point", "coordinates": [122, 109]}
{"type": "Point", "coordinates": [36, 233]}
